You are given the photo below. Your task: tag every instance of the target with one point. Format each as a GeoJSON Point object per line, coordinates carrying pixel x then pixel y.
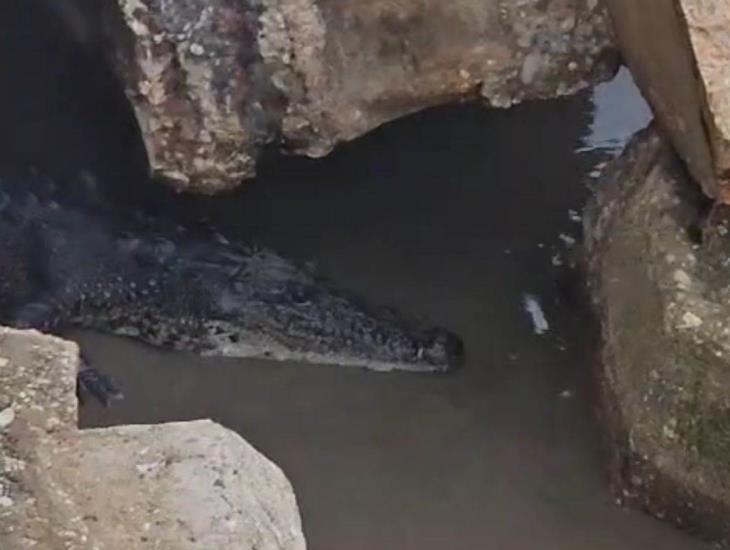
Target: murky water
{"type": "Point", "coordinates": [453, 215]}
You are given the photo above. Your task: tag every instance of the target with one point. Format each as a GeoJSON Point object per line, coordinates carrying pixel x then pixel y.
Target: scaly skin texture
{"type": "Point", "coordinates": [63, 263]}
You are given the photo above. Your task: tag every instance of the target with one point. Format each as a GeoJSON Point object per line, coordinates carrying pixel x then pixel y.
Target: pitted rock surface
{"type": "Point", "coordinates": [664, 364]}
{"type": "Point", "coordinates": [213, 81]}
{"type": "Point", "coordinates": [182, 485]}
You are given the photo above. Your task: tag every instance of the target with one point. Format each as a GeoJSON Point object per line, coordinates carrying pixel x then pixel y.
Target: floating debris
{"type": "Point", "coordinates": [567, 240]}
{"type": "Point", "coordinates": [532, 306]}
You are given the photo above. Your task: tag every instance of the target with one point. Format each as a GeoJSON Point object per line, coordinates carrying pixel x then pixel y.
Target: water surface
{"type": "Point", "coordinates": [453, 215]}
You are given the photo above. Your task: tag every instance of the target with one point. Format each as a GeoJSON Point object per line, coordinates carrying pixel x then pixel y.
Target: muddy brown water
{"type": "Point", "coordinates": [453, 215]}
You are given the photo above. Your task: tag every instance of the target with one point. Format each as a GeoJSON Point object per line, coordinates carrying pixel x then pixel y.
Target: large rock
{"type": "Point", "coordinates": [213, 81]}
{"type": "Point", "coordinates": [678, 52]}
{"type": "Point", "coordinates": [178, 485]}
{"type": "Point", "coordinates": [663, 302]}
{"type": "Point", "coordinates": [181, 485]}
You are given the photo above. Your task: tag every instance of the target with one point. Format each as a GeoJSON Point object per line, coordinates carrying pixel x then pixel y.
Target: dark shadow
{"type": "Point", "coordinates": [62, 111]}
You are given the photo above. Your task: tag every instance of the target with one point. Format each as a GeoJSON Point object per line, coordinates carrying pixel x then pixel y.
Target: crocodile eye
{"type": "Point", "coordinates": [164, 249]}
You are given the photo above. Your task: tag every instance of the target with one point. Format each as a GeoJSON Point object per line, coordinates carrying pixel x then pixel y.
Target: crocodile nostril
{"type": "Point", "coordinates": [444, 350]}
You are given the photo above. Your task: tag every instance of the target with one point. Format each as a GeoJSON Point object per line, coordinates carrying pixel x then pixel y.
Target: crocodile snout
{"type": "Point", "coordinates": [443, 350]}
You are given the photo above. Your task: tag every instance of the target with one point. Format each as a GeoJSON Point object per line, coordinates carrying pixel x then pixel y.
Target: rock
{"type": "Point", "coordinates": [678, 54]}
{"type": "Point", "coordinates": [663, 303]}
{"type": "Point", "coordinates": [213, 81]}
{"type": "Point", "coordinates": [177, 485]}
{"type": "Point", "coordinates": [39, 379]}
{"type": "Point", "coordinates": [708, 22]}
{"type": "Point", "coordinates": [7, 415]}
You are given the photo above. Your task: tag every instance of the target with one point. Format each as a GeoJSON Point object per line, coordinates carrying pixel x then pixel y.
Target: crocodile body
{"type": "Point", "coordinates": [65, 264]}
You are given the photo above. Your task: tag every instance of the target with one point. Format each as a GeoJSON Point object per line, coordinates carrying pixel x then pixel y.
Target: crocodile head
{"type": "Point", "coordinates": [254, 303]}
{"type": "Point", "coordinates": [173, 286]}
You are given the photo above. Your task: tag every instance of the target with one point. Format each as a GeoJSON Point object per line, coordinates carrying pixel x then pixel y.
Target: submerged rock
{"type": "Point", "coordinates": [179, 485]}
{"type": "Point", "coordinates": [663, 302]}
{"type": "Point", "coordinates": [213, 81]}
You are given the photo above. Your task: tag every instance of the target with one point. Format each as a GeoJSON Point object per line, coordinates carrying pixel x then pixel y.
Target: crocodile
{"type": "Point", "coordinates": [65, 263]}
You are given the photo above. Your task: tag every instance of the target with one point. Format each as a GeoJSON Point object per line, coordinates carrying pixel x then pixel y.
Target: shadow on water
{"type": "Point", "coordinates": [452, 215]}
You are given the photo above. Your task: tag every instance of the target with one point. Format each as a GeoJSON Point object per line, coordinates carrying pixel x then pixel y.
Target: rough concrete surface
{"type": "Point", "coordinates": [678, 53]}
{"type": "Point", "coordinates": [212, 81]}
{"type": "Point", "coordinates": [170, 486]}
{"type": "Point", "coordinates": [664, 369]}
